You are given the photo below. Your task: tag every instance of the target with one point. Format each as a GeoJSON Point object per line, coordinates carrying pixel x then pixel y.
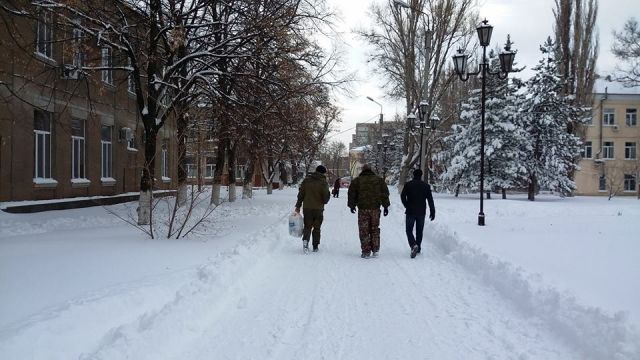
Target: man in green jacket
{"type": "Point", "coordinates": [313, 193]}
{"type": "Point", "coordinates": [368, 192]}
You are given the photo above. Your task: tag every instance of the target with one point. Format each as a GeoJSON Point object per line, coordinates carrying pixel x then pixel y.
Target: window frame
{"type": "Point", "coordinates": [609, 117]}
{"type": "Point", "coordinates": [79, 165]}
{"type": "Point", "coordinates": [628, 147]}
{"type": "Point", "coordinates": [78, 55]}
{"type": "Point", "coordinates": [106, 63]}
{"type": "Point", "coordinates": [631, 117]}
{"type": "Point", "coordinates": [608, 151]}
{"type": "Point", "coordinates": [588, 150]}
{"type": "Point", "coordinates": [44, 42]}
{"type": "Point", "coordinates": [602, 183]}
{"type": "Point", "coordinates": [43, 156]}
{"type": "Point", "coordinates": [630, 183]}
{"type": "Point", "coordinates": [106, 147]}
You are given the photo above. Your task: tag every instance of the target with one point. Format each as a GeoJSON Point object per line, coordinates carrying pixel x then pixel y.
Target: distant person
{"type": "Point", "coordinates": [336, 188]}
{"type": "Point", "coordinates": [368, 192]}
{"type": "Point", "coordinates": [413, 196]}
{"type": "Point", "coordinates": [313, 194]}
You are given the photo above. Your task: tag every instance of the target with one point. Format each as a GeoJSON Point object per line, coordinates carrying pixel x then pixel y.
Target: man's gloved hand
{"type": "Point", "coordinates": [385, 212]}
{"type": "Point", "coordinates": [353, 210]}
{"type": "Point", "coordinates": [432, 216]}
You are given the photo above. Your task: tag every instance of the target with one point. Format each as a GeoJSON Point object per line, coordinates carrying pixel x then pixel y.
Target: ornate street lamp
{"type": "Point", "coordinates": [506, 66]}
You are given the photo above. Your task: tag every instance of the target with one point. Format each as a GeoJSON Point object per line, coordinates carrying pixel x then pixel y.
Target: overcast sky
{"type": "Point", "coordinates": [529, 22]}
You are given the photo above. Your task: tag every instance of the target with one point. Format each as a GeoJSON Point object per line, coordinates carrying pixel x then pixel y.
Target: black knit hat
{"type": "Point", "coordinates": [321, 169]}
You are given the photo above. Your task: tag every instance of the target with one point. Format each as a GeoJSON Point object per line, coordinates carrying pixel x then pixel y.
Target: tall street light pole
{"type": "Point", "coordinates": [380, 133]}
{"type": "Point", "coordinates": [506, 66]}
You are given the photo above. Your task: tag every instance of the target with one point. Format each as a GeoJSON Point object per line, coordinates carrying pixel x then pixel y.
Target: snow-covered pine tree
{"type": "Point", "coordinates": [553, 151]}
{"type": "Point", "coordinates": [504, 139]}
{"type": "Point", "coordinates": [505, 135]}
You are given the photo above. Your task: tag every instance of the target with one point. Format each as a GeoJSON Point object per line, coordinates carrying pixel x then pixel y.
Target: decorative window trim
{"type": "Point", "coordinates": [44, 183]}
{"type": "Point", "coordinates": [80, 183]}
{"type": "Point", "coordinates": [108, 181]}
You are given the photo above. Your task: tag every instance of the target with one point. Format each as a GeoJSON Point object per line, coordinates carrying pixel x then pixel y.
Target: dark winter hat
{"type": "Point", "coordinates": [321, 169]}
{"type": "Point", "coordinates": [417, 174]}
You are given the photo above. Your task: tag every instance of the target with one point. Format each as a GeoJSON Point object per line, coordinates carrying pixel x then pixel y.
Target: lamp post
{"type": "Point", "coordinates": [430, 126]}
{"type": "Point", "coordinates": [380, 133]}
{"type": "Point", "coordinates": [506, 66]}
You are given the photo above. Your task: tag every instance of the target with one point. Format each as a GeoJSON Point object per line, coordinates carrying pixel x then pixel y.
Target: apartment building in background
{"type": "Point", "coordinates": [610, 162]}
{"type": "Point", "coordinates": [65, 132]}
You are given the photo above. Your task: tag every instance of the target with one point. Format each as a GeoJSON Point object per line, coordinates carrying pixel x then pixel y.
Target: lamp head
{"type": "Point", "coordinates": [424, 107]}
{"type": "Point", "coordinates": [411, 121]}
{"type": "Point", "coordinates": [484, 32]}
{"type": "Point", "coordinates": [507, 57]}
{"type": "Point", "coordinates": [460, 62]}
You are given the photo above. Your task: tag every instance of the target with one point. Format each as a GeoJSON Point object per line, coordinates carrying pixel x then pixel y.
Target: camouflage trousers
{"type": "Point", "coordinates": [369, 225]}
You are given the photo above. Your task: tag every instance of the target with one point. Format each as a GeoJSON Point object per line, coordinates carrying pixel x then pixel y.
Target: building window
{"type": "Point", "coordinates": [240, 169]}
{"type": "Point", "coordinates": [602, 184]}
{"type": "Point", "coordinates": [44, 34]}
{"type": "Point", "coordinates": [629, 151]}
{"type": "Point", "coordinates": [78, 146]}
{"type": "Point", "coordinates": [78, 55]}
{"type": "Point", "coordinates": [609, 117]}
{"type": "Point", "coordinates": [629, 182]}
{"type": "Point", "coordinates": [42, 144]}
{"type": "Point", "coordinates": [631, 117]}
{"type": "Point", "coordinates": [191, 167]}
{"type": "Point", "coordinates": [106, 134]}
{"type": "Point", "coordinates": [607, 150]}
{"type": "Point", "coordinates": [165, 161]}
{"type": "Point", "coordinates": [131, 143]}
{"type": "Point", "coordinates": [588, 150]}
{"type": "Point", "coordinates": [210, 167]}
{"type": "Point", "coordinates": [107, 64]}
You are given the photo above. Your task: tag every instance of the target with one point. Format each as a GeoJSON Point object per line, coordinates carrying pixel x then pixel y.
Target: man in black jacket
{"type": "Point", "coordinates": [413, 197]}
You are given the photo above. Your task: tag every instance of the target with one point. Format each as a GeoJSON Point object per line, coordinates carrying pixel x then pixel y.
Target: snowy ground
{"type": "Point", "coordinates": [554, 279]}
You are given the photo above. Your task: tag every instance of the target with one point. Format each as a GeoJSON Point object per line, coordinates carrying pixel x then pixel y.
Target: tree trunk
{"type": "Point", "coordinates": [532, 188]}
{"type": "Point", "coordinates": [504, 193]}
{"type": "Point", "coordinates": [181, 196]}
{"type": "Point", "coordinates": [247, 182]}
{"type": "Point", "coordinates": [146, 181]}
{"type": "Point", "coordinates": [216, 184]}
{"type": "Point", "coordinates": [231, 160]}
{"type": "Point", "coordinates": [457, 192]}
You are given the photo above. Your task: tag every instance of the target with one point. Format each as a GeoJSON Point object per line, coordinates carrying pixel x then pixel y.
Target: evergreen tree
{"type": "Point", "coordinates": [553, 151]}
{"type": "Point", "coordinates": [504, 138]}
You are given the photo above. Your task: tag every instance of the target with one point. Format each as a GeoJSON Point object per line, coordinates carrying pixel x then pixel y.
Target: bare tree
{"type": "Point", "coordinates": [413, 50]}
{"type": "Point", "coordinates": [577, 47]}
{"type": "Point", "coordinates": [626, 47]}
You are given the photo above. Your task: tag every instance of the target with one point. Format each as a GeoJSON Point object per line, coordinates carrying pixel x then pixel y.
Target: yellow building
{"type": "Point", "coordinates": [610, 164]}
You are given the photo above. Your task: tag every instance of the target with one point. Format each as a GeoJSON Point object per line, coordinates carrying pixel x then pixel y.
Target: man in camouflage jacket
{"type": "Point", "coordinates": [368, 192]}
{"type": "Point", "coordinates": [314, 194]}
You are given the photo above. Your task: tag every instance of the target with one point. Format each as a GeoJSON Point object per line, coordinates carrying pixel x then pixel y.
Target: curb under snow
{"type": "Point", "coordinates": [594, 333]}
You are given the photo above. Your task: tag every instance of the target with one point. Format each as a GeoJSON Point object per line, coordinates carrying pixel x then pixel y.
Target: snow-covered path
{"type": "Point", "coordinates": [248, 292]}
{"type": "Point", "coordinates": [272, 302]}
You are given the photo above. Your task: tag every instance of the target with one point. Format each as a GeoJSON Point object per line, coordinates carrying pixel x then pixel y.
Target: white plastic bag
{"type": "Point", "coordinates": [296, 224]}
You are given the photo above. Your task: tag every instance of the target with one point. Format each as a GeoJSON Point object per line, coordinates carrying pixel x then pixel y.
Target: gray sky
{"type": "Point", "coordinates": [529, 22]}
